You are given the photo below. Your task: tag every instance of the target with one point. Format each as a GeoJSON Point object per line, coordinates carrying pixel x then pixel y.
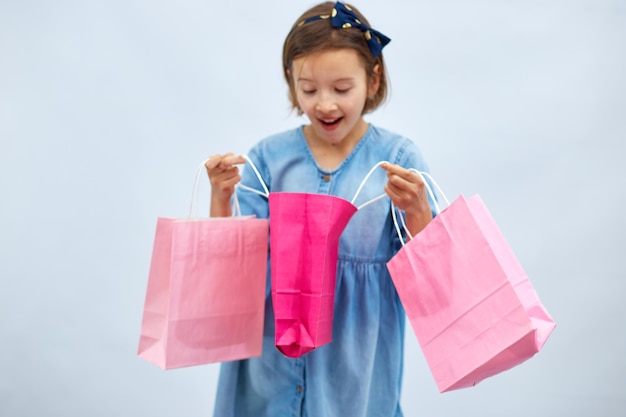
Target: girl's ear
{"type": "Point", "coordinates": [292, 92]}
{"type": "Point", "coordinates": [374, 81]}
{"type": "Point", "coordinates": [290, 81]}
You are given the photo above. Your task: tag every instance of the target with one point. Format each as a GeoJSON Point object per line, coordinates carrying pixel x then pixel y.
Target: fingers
{"type": "Point", "coordinates": [393, 168]}
{"type": "Point", "coordinates": [400, 178]}
{"type": "Point", "coordinates": [223, 172]}
{"type": "Point", "coordinates": [223, 166]}
{"type": "Point", "coordinates": [224, 162]}
{"type": "Point", "coordinates": [405, 188]}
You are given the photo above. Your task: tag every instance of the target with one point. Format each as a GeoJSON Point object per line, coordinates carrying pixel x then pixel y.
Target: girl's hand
{"type": "Point", "coordinates": [224, 175]}
{"type": "Point", "coordinates": [408, 192]}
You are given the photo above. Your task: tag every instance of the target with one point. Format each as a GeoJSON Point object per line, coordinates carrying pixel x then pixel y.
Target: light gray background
{"type": "Point", "coordinates": [108, 107]}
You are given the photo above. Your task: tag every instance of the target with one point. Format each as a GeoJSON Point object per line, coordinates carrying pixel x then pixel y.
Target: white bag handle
{"type": "Point", "coordinates": [358, 191]}
{"type": "Point", "coordinates": [423, 175]}
{"type": "Point", "coordinates": [266, 192]}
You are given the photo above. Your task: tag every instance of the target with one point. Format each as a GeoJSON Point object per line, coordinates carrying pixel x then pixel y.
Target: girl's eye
{"type": "Point", "coordinates": [308, 91]}
{"type": "Point", "coordinates": [342, 90]}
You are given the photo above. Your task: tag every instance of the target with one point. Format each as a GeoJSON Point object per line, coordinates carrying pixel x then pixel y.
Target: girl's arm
{"type": "Point", "coordinates": [224, 175]}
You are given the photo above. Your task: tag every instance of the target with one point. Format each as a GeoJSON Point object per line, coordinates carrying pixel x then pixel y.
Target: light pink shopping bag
{"type": "Point", "coordinates": [206, 291]}
{"type": "Point", "coordinates": [304, 241]}
{"type": "Point", "coordinates": [469, 301]}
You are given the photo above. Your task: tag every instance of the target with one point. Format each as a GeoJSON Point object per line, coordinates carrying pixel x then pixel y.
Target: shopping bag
{"type": "Point", "coordinates": [206, 291]}
{"type": "Point", "coordinates": [469, 301]}
{"type": "Point", "coordinates": [304, 242]}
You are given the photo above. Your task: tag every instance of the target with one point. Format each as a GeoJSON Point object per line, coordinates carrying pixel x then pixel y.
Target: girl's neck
{"type": "Point", "coordinates": [330, 155]}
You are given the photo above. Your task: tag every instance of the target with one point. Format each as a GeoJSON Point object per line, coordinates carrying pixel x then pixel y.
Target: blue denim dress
{"type": "Point", "coordinates": [359, 373]}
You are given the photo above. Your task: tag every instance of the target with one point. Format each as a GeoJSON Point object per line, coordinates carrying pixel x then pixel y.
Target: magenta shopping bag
{"type": "Point", "coordinates": [206, 291]}
{"type": "Point", "coordinates": [469, 301]}
{"type": "Point", "coordinates": [304, 242]}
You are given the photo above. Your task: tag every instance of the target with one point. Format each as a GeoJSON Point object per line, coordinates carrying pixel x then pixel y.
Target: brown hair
{"type": "Point", "coordinates": [319, 35]}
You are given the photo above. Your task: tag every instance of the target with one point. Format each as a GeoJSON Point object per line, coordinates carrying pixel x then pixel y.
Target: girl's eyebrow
{"type": "Point", "coordinates": [335, 81]}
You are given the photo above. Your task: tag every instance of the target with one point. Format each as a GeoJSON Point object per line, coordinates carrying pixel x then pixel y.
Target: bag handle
{"type": "Point", "coordinates": [358, 191]}
{"type": "Point", "coordinates": [265, 193]}
{"type": "Point", "coordinates": [423, 175]}
{"type": "Point", "coordinates": [383, 195]}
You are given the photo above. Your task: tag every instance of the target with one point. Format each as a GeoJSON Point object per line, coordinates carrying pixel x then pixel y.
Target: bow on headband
{"type": "Point", "coordinates": [342, 17]}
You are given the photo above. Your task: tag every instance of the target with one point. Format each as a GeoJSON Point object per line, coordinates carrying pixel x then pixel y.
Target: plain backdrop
{"type": "Point", "coordinates": [108, 107]}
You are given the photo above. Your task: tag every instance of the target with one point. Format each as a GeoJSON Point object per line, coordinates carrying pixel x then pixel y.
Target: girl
{"type": "Point", "coordinates": [334, 68]}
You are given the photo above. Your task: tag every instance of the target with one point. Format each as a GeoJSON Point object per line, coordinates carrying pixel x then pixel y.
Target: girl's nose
{"type": "Point", "coordinates": [325, 103]}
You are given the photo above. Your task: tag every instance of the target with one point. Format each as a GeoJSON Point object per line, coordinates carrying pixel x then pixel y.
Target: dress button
{"type": "Point", "coordinates": [326, 177]}
{"type": "Point", "coordinates": [299, 389]}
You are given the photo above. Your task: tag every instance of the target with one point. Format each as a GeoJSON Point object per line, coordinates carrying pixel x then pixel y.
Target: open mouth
{"type": "Point", "coordinates": [330, 123]}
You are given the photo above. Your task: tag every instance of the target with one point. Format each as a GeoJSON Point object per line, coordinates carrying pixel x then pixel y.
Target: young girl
{"type": "Point", "coordinates": [334, 67]}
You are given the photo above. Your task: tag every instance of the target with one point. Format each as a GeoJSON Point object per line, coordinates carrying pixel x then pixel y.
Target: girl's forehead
{"type": "Point", "coordinates": [329, 61]}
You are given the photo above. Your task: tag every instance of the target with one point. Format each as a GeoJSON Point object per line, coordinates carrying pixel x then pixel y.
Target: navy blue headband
{"type": "Point", "coordinates": [342, 17]}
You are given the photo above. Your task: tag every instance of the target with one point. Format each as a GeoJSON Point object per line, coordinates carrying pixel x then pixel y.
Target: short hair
{"type": "Point", "coordinates": [319, 35]}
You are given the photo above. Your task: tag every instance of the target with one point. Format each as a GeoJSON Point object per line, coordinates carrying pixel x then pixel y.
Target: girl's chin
{"type": "Point", "coordinates": [330, 137]}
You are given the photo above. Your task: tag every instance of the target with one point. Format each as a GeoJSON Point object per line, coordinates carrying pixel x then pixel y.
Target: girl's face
{"type": "Point", "coordinates": [331, 89]}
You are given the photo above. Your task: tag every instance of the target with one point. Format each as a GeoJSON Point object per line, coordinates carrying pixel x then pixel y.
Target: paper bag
{"type": "Point", "coordinates": [206, 291]}
{"type": "Point", "coordinates": [304, 241]}
{"type": "Point", "coordinates": [469, 301]}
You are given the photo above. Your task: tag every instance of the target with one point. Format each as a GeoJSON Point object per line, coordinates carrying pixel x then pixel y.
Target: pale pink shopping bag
{"type": "Point", "coordinates": [304, 241]}
{"type": "Point", "coordinates": [206, 291]}
{"type": "Point", "coordinates": [469, 301]}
